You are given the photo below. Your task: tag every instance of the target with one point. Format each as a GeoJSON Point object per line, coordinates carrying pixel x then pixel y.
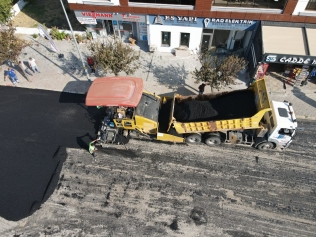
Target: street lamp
{"type": "Point", "coordinates": [73, 35]}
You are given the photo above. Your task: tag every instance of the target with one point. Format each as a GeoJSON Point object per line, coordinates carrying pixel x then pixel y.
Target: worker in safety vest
{"type": "Point", "coordinates": [92, 148]}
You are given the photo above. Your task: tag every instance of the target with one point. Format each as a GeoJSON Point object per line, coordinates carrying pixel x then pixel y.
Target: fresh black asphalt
{"type": "Point", "coordinates": [35, 128]}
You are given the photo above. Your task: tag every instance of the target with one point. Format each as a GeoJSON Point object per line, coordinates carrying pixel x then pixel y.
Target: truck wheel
{"type": "Point", "coordinates": [265, 146]}
{"type": "Point", "coordinates": [193, 138]}
{"type": "Point", "coordinates": [213, 140]}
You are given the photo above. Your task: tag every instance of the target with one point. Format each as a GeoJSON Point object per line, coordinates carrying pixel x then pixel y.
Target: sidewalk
{"type": "Point", "coordinates": [162, 73]}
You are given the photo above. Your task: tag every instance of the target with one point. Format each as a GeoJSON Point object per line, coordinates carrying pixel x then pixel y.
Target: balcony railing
{"type": "Point", "coordinates": [250, 3]}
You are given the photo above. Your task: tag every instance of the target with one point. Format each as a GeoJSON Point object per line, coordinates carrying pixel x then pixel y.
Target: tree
{"type": "Point", "coordinates": [218, 71]}
{"type": "Point", "coordinates": [114, 57]}
{"type": "Point", "coordinates": [10, 45]}
{"type": "Point", "coordinates": [5, 10]}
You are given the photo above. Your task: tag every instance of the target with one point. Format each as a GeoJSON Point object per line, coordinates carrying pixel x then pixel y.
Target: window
{"type": "Point", "coordinates": [311, 5]}
{"type": "Point", "coordinates": [251, 3]}
{"type": "Point", "coordinates": [173, 2]}
{"type": "Point", "coordinates": [185, 39]}
{"type": "Point", "coordinates": [286, 131]}
{"type": "Point", "coordinates": [283, 112]}
{"type": "Point", "coordinates": [165, 41]}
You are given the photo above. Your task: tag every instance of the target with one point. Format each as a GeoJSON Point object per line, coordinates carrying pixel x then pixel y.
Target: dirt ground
{"type": "Point", "coordinates": [155, 189]}
{"type": "Point", "coordinates": [48, 13]}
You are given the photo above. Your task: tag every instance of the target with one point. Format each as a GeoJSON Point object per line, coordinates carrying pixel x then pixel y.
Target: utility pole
{"type": "Point", "coordinates": [73, 35]}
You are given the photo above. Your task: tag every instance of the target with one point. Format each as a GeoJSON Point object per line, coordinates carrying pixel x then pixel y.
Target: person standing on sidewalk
{"type": "Point", "coordinates": [33, 65]}
{"type": "Point", "coordinates": [91, 64]}
{"type": "Point", "coordinates": [201, 88]}
{"type": "Point", "coordinates": [12, 76]}
{"type": "Point", "coordinates": [25, 71]}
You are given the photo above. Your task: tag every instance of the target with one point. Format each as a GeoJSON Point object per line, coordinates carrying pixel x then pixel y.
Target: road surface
{"type": "Point", "coordinates": [158, 189]}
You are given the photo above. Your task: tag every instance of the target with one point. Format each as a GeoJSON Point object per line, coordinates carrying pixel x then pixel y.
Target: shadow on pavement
{"type": "Point", "coordinates": [36, 126]}
{"type": "Point", "coordinates": [302, 96]}
{"type": "Point", "coordinates": [182, 91]}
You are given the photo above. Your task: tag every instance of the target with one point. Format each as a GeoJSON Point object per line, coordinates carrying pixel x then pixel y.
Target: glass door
{"type": "Point", "coordinates": [206, 41]}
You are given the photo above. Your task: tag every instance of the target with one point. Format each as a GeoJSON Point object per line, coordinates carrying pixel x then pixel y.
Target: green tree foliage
{"type": "Point", "coordinates": [114, 56]}
{"type": "Point", "coordinates": [218, 71]}
{"type": "Point", "coordinates": [10, 45]}
{"type": "Point", "coordinates": [5, 10]}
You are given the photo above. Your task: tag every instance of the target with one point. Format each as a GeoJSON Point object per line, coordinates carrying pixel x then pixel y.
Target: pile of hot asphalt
{"type": "Point", "coordinates": [236, 104]}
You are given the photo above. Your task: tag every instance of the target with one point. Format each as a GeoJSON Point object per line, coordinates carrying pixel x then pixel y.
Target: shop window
{"type": "Point", "coordinates": [165, 38]}
{"type": "Point", "coordinates": [280, 4]}
{"type": "Point", "coordinates": [185, 39]}
{"type": "Point", "coordinates": [173, 2]}
{"type": "Point", "coordinates": [311, 5]}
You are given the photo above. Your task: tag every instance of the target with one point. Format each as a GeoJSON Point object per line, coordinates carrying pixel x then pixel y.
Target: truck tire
{"type": "Point", "coordinates": [266, 146]}
{"type": "Point", "coordinates": [213, 140]}
{"type": "Point", "coordinates": [193, 138]}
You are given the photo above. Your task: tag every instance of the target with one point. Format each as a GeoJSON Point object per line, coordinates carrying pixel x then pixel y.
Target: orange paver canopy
{"type": "Point", "coordinates": [115, 91]}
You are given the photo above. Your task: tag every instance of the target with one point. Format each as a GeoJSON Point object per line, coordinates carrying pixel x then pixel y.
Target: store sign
{"type": "Point", "coordinates": [174, 20]}
{"type": "Point", "coordinates": [90, 21]}
{"type": "Point", "coordinates": [229, 24]}
{"type": "Point", "coordinates": [304, 60]}
{"type": "Point", "coordinates": [207, 21]}
{"type": "Point", "coordinates": [210, 23]}
{"type": "Point", "coordinates": [143, 31]}
{"type": "Point", "coordinates": [86, 17]}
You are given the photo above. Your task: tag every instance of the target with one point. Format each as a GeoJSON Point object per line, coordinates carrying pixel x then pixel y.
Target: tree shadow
{"type": "Point", "coordinates": [171, 76]}
{"type": "Point", "coordinates": [182, 91]}
{"type": "Point", "coordinates": [302, 96]}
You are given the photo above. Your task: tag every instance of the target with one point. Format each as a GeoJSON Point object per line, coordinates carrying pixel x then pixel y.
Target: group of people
{"type": "Point", "coordinates": [11, 74]}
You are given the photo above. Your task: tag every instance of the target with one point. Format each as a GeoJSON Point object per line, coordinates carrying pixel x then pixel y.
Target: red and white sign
{"type": "Point", "coordinates": [90, 21]}
{"type": "Point", "coordinates": [108, 16]}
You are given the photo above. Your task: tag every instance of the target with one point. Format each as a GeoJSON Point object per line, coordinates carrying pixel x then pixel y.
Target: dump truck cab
{"type": "Point", "coordinates": [282, 124]}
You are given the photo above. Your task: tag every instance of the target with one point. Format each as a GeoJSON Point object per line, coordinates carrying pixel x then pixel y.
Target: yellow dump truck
{"type": "Point", "coordinates": [245, 117]}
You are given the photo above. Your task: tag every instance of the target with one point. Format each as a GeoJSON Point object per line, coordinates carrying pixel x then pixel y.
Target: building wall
{"type": "Point", "coordinates": [286, 16]}
{"type": "Point", "coordinates": [155, 36]}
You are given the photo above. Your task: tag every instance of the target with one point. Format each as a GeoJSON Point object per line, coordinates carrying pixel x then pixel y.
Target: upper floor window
{"type": "Point", "coordinates": [251, 3]}
{"type": "Point", "coordinates": [173, 2]}
{"type": "Point", "coordinates": [311, 5]}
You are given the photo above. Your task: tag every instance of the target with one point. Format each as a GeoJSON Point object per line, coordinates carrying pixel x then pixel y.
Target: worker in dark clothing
{"type": "Point", "coordinates": [201, 88]}
{"type": "Point", "coordinates": [92, 148]}
{"type": "Point", "coordinates": [91, 64]}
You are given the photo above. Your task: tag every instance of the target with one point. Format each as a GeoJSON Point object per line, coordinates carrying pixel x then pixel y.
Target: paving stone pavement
{"type": "Point", "coordinates": [162, 73]}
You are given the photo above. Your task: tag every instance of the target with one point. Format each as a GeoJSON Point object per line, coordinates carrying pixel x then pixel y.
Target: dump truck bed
{"type": "Point", "coordinates": [242, 109]}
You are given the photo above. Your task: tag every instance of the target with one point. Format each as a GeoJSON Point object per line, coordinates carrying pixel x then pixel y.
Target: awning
{"type": "Point", "coordinates": [283, 40]}
{"type": "Point", "coordinates": [311, 36]}
{"type": "Point", "coordinates": [289, 45]}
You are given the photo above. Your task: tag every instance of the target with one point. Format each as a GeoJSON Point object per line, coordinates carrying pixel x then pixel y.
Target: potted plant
{"type": "Point", "coordinates": [67, 36]}
{"type": "Point", "coordinates": [35, 36]}
{"type": "Point", "coordinates": [78, 38]}
{"type": "Point", "coordinates": [88, 35]}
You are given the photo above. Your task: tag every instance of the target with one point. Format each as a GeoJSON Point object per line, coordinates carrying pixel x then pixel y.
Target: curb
{"type": "Point", "coordinates": [305, 117]}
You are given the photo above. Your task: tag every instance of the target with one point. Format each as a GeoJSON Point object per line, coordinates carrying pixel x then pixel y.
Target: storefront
{"type": "Point", "coordinates": [102, 24]}
{"type": "Point", "coordinates": [289, 51]}
{"type": "Point", "coordinates": [221, 36]}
